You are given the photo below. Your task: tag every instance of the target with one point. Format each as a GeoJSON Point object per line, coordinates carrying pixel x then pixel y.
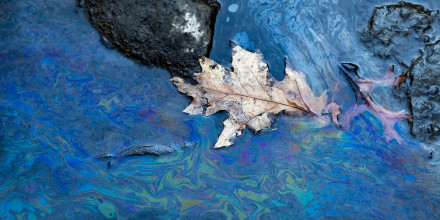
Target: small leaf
{"type": "Point", "coordinates": [364, 87]}
{"type": "Point", "coordinates": [400, 80]}
{"type": "Point", "coordinates": [334, 109]}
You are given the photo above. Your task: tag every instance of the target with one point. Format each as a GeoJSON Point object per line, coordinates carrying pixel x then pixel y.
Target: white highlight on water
{"type": "Point", "coordinates": [233, 8]}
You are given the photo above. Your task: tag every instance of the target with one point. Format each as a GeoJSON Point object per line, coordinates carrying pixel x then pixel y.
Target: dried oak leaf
{"type": "Point", "coordinates": [387, 118]}
{"type": "Point", "coordinates": [247, 94]}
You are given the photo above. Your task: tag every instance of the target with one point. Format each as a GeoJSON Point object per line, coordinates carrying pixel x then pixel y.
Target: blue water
{"type": "Point", "coordinates": [65, 99]}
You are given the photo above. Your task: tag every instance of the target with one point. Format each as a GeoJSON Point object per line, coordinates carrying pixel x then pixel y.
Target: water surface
{"type": "Point", "coordinates": [65, 98]}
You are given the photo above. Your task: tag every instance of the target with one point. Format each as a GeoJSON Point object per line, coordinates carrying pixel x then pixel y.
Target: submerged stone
{"type": "Point", "coordinates": [423, 91]}
{"type": "Point", "coordinates": [172, 34]}
{"type": "Point", "coordinates": [399, 30]}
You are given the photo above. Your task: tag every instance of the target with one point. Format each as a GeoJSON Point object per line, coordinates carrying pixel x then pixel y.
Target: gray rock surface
{"type": "Point", "coordinates": [173, 34]}
{"type": "Point", "coordinates": [407, 32]}
{"type": "Point", "coordinates": [423, 92]}
{"type": "Point", "coordinates": [399, 30]}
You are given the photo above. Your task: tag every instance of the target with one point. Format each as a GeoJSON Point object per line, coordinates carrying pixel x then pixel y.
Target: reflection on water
{"type": "Point", "coordinates": [65, 99]}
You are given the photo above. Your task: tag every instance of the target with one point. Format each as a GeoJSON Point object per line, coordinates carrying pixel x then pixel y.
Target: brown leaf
{"type": "Point", "coordinates": [334, 109]}
{"type": "Point", "coordinates": [364, 87]}
{"type": "Point", "coordinates": [247, 94]}
{"type": "Point", "coordinates": [400, 80]}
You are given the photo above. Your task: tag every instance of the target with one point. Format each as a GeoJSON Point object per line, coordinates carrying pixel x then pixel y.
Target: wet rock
{"type": "Point", "coordinates": [399, 30]}
{"type": "Point", "coordinates": [170, 33]}
{"type": "Point", "coordinates": [423, 92]}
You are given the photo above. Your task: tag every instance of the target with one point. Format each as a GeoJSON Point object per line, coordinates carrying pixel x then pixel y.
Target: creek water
{"type": "Point", "coordinates": [65, 99]}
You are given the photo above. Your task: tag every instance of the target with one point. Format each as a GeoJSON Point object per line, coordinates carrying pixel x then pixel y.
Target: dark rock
{"type": "Point", "coordinates": [399, 30]}
{"type": "Point", "coordinates": [423, 91]}
{"type": "Point", "coordinates": [173, 34]}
